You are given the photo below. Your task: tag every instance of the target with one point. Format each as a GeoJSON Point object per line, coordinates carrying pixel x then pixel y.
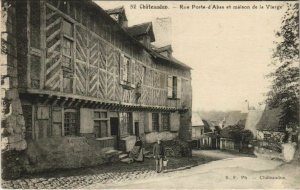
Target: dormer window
{"type": "Point", "coordinates": [119, 15]}
{"type": "Point", "coordinates": [143, 33]}
{"type": "Point", "coordinates": [165, 51]}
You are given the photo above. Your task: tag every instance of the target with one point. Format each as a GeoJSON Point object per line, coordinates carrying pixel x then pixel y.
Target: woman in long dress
{"type": "Point", "coordinates": [137, 152]}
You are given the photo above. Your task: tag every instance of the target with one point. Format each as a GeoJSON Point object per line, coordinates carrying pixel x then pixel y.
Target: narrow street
{"type": "Point", "coordinates": [236, 172]}
{"type": "Point", "coordinates": [203, 170]}
{"type": "Point", "coordinates": [112, 174]}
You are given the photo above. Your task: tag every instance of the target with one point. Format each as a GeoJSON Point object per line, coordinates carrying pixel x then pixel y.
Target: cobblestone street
{"type": "Point", "coordinates": [105, 174]}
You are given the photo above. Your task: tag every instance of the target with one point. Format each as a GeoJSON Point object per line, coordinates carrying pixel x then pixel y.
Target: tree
{"type": "Point", "coordinates": [284, 92]}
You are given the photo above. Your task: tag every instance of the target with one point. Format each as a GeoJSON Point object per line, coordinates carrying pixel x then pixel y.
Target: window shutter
{"type": "Point", "coordinates": [170, 86]}
{"type": "Point", "coordinates": [121, 67]}
{"type": "Point", "coordinates": [86, 120]}
{"type": "Point", "coordinates": [132, 73]}
{"type": "Point", "coordinates": [174, 121]}
{"type": "Point", "coordinates": [178, 88]}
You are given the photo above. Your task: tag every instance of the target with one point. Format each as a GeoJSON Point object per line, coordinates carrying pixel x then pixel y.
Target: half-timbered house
{"type": "Point", "coordinates": [87, 84]}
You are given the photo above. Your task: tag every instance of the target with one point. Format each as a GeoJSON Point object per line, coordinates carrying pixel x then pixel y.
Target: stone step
{"type": "Point", "coordinates": [121, 156]}
{"type": "Point", "coordinates": [127, 160]}
{"type": "Point", "coordinates": [113, 151]}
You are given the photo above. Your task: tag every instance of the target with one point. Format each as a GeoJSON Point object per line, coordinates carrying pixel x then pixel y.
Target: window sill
{"type": "Point", "coordinates": [104, 138]}
{"type": "Point", "coordinates": [173, 98]}
{"type": "Point", "coordinates": [125, 137]}
{"type": "Point", "coordinates": [127, 85]}
{"type": "Point", "coordinates": [74, 137]}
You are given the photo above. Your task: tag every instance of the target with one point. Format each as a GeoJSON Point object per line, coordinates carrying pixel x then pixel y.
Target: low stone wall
{"type": "Point", "coordinates": [174, 148]}
{"type": "Point", "coordinates": [64, 152]}
{"type": "Point", "coordinates": [164, 136]}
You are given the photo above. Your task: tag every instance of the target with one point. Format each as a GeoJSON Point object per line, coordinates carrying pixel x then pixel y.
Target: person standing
{"type": "Point", "coordinates": [158, 153]}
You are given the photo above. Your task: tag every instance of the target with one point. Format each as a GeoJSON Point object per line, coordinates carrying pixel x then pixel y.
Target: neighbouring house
{"type": "Point", "coordinates": [204, 134]}
{"type": "Point", "coordinates": [235, 121]}
{"type": "Point", "coordinates": [270, 134]}
{"type": "Point", "coordinates": [234, 118]}
{"type": "Point", "coordinates": [226, 140]}
{"type": "Point", "coordinates": [78, 83]}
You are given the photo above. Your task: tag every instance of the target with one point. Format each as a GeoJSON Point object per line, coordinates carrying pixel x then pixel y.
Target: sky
{"type": "Point", "coordinates": [229, 50]}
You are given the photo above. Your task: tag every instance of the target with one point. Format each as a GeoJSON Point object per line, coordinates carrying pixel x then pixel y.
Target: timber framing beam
{"type": "Point", "coordinates": [71, 100]}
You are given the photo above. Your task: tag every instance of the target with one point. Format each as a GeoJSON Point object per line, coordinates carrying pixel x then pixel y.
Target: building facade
{"type": "Point", "coordinates": [80, 82]}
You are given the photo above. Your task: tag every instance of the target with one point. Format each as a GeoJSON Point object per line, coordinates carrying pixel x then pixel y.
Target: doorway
{"type": "Point", "coordinates": [136, 129]}
{"type": "Point", "coordinates": [114, 130]}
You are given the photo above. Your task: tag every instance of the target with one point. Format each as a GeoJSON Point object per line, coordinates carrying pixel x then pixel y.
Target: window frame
{"type": "Point", "coordinates": [67, 68]}
{"type": "Point", "coordinates": [101, 119]}
{"type": "Point", "coordinates": [155, 127]}
{"type": "Point", "coordinates": [174, 87]}
{"type": "Point", "coordinates": [163, 120]}
{"type": "Point", "coordinates": [77, 126]}
{"type": "Point", "coordinates": [66, 37]}
{"type": "Point", "coordinates": [128, 124]}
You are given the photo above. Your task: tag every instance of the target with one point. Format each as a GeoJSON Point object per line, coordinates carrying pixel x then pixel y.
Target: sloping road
{"type": "Point", "coordinates": [236, 172]}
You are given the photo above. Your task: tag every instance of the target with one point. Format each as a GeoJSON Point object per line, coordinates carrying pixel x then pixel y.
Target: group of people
{"type": "Point", "coordinates": [137, 153]}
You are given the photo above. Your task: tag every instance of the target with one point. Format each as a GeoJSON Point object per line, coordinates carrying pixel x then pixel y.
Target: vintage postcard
{"type": "Point", "coordinates": [149, 94]}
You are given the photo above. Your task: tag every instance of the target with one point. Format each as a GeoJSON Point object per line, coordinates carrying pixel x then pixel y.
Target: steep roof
{"type": "Point", "coordinates": [253, 117]}
{"type": "Point", "coordinates": [235, 118]}
{"type": "Point", "coordinates": [154, 54]}
{"type": "Point", "coordinates": [270, 120]}
{"type": "Point", "coordinates": [142, 29]}
{"type": "Point", "coordinates": [115, 10]}
{"type": "Point", "coordinates": [208, 127]}
{"type": "Point", "coordinates": [196, 120]}
{"type": "Point", "coordinates": [169, 60]}
{"type": "Point", "coordinates": [164, 48]}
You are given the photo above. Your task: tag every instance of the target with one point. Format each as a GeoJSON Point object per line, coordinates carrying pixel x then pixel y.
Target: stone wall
{"type": "Point", "coordinates": [65, 152]}
{"type": "Point", "coordinates": [12, 121]}
{"type": "Point", "coordinates": [164, 136]}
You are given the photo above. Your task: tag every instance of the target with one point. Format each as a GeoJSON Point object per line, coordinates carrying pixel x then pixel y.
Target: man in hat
{"type": "Point", "coordinates": [159, 153]}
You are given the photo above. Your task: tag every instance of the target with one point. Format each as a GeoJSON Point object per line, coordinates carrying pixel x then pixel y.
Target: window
{"type": "Point", "coordinates": [144, 76]}
{"type": "Point", "coordinates": [125, 124]}
{"type": "Point", "coordinates": [71, 127]}
{"type": "Point", "coordinates": [202, 131]}
{"type": "Point", "coordinates": [67, 56]}
{"type": "Point", "coordinates": [101, 124]}
{"type": "Point", "coordinates": [193, 132]}
{"type": "Point", "coordinates": [67, 43]}
{"type": "Point", "coordinates": [126, 69]}
{"type": "Point", "coordinates": [174, 87]}
{"type": "Point", "coordinates": [67, 47]}
{"type": "Point", "coordinates": [127, 66]}
{"type": "Point", "coordinates": [155, 122]}
{"type": "Point", "coordinates": [165, 117]}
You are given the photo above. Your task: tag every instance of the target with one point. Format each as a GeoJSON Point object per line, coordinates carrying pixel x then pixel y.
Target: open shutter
{"type": "Point", "coordinates": [170, 86]}
{"type": "Point", "coordinates": [174, 121]}
{"type": "Point", "coordinates": [132, 71]}
{"type": "Point", "coordinates": [178, 88]}
{"type": "Point", "coordinates": [147, 122]}
{"type": "Point", "coordinates": [121, 67]}
{"type": "Point", "coordinates": [86, 120]}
